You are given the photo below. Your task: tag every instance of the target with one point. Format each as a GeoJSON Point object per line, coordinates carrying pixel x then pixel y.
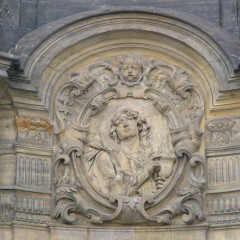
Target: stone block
{"type": "Point", "coordinates": [224, 234]}
{"type": "Point", "coordinates": [223, 171]}
{"type": "Point", "coordinates": [7, 170]}
{"type": "Point", "coordinates": [24, 31]}
{"type": "Point", "coordinates": [49, 11]}
{"type": "Point", "coordinates": [33, 172]}
{"type": "Point", "coordinates": [9, 13]}
{"type": "Point", "coordinates": [171, 234]}
{"type": "Point", "coordinates": [63, 233]}
{"type": "Point", "coordinates": [115, 234]}
{"type": "Point", "coordinates": [28, 14]}
{"type": "Point", "coordinates": [27, 233]}
{"type": "Point", "coordinates": [9, 38]}
{"type": "Point", "coordinates": [229, 16]}
{"type": "Point", "coordinates": [6, 233]}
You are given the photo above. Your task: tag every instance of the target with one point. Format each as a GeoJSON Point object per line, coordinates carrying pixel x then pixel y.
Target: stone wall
{"type": "Point", "coordinates": [19, 17]}
{"type": "Point", "coordinates": [120, 123]}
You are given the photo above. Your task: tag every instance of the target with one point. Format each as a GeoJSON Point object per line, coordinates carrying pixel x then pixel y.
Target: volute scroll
{"type": "Point", "coordinates": [128, 134]}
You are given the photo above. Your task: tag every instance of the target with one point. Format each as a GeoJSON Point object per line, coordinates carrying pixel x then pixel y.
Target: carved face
{"type": "Point", "coordinates": [131, 70]}
{"type": "Point", "coordinates": [127, 127]}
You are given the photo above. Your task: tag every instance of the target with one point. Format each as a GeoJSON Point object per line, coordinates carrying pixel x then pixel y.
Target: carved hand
{"type": "Point", "coordinates": [159, 181]}
{"type": "Point", "coordinates": [153, 167]}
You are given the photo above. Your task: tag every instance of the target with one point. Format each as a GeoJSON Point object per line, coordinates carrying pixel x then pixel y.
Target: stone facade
{"type": "Point", "coordinates": [121, 123]}
{"type": "Point", "coordinates": [20, 17]}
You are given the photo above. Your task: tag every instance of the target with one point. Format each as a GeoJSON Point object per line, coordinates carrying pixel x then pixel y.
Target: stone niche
{"type": "Point", "coordinates": [121, 124]}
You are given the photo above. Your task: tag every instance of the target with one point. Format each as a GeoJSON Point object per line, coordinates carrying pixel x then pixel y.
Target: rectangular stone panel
{"type": "Point", "coordinates": [222, 133]}
{"type": "Point", "coordinates": [29, 218]}
{"type": "Point", "coordinates": [224, 233]}
{"type": "Point", "coordinates": [229, 219]}
{"type": "Point", "coordinates": [28, 203]}
{"type": "Point", "coordinates": [7, 169]}
{"type": "Point", "coordinates": [28, 14]}
{"type": "Point", "coordinates": [223, 208]}
{"type": "Point", "coordinates": [53, 10]}
{"type": "Point", "coordinates": [34, 131]}
{"type": "Point", "coordinates": [32, 208]}
{"type": "Point", "coordinates": [33, 170]}
{"type": "Point", "coordinates": [128, 233]}
{"type": "Point", "coordinates": [6, 233]}
{"type": "Point", "coordinates": [7, 206]}
{"type": "Point", "coordinates": [204, 9]}
{"type": "Point", "coordinates": [114, 234]}
{"type": "Point", "coordinates": [9, 13]}
{"type": "Point", "coordinates": [229, 15]}
{"type": "Point", "coordinates": [49, 11]}
{"type": "Point", "coordinates": [7, 34]}
{"type": "Point", "coordinates": [167, 234]}
{"type": "Point", "coordinates": [35, 233]}
{"type": "Point", "coordinates": [224, 203]}
{"type": "Point", "coordinates": [223, 171]}
{"type": "Point", "coordinates": [63, 233]}
{"type": "Point", "coordinates": [7, 133]}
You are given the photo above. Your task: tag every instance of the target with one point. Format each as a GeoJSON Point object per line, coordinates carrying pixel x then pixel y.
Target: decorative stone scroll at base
{"type": "Point", "coordinates": [127, 138]}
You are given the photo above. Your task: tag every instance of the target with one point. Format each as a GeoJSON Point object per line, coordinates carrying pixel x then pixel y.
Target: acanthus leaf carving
{"type": "Point", "coordinates": [117, 172]}
{"type": "Point", "coordinates": [66, 204]}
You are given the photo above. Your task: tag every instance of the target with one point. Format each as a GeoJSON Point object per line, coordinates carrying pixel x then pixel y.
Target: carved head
{"type": "Point", "coordinates": [131, 68]}
{"type": "Point", "coordinates": [127, 123]}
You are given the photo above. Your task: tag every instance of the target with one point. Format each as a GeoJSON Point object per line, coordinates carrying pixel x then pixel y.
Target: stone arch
{"type": "Point", "coordinates": [49, 52]}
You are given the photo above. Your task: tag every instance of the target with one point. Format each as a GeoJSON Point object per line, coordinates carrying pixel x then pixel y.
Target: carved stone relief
{"type": "Point", "coordinates": [32, 209]}
{"type": "Point", "coordinates": [24, 208]}
{"type": "Point", "coordinates": [7, 207]}
{"type": "Point", "coordinates": [223, 208]}
{"type": "Point", "coordinates": [33, 130]}
{"type": "Point", "coordinates": [128, 135]}
{"type": "Point", "coordinates": [221, 132]}
{"type": "Point", "coordinates": [33, 171]}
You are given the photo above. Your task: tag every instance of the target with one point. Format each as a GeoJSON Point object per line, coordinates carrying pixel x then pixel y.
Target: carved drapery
{"type": "Point", "coordinates": [180, 180]}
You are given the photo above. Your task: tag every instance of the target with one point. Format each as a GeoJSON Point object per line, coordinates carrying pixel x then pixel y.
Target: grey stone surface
{"type": "Point", "coordinates": [75, 78]}
{"type": "Point", "coordinates": [28, 15]}
{"type": "Point", "coordinates": [229, 44]}
{"type": "Point", "coordinates": [9, 37]}
{"type": "Point", "coordinates": [23, 16]}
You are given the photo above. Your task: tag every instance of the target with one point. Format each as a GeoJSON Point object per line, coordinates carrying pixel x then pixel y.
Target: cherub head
{"type": "Point", "coordinates": [131, 68]}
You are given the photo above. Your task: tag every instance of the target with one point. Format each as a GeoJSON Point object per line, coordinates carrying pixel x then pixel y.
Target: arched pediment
{"type": "Point", "coordinates": [122, 116]}
{"type": "Point", "coordinates": [57, 49]}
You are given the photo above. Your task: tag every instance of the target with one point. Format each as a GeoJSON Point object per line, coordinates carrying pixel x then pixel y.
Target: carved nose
{"type": "Point", "coordinates": [125, 123]}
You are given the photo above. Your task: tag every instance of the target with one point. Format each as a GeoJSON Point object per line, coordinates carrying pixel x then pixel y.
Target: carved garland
{"type": "Point", "coordinates": [87, 94]}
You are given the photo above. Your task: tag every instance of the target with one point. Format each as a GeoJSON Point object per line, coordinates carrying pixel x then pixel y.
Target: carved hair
{"type": "Point", "coordinates": [142, 125]}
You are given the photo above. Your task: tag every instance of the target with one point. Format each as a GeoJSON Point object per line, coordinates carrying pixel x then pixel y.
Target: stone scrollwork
{"type": "Point", "coordinates": [127, 136]}
{"type": "Point", "coordinates": [35, 130]}
{"type": "Point", "coordinates": [220, 131]}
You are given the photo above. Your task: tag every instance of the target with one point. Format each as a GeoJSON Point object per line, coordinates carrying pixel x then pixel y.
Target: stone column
{"type": "Point", "coordinates": [8, 136]}
{"type": "Point", "coordinates": [8, 131]}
